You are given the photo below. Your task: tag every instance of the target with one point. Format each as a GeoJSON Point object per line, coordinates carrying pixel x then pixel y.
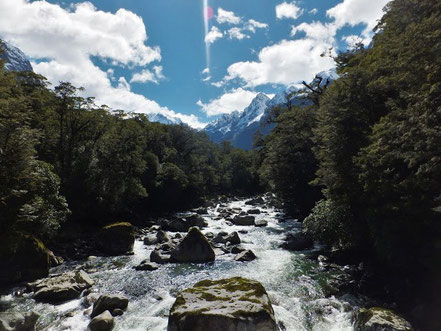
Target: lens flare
{"type": "Point", "coordinates": [208, 15]}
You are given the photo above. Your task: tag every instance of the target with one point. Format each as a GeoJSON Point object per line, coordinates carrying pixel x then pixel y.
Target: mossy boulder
{"type": "Point", "coordinates": [22, 258]}
{"type": "Point", "coordinates": [380, 319]}
{"type": "Point", "coordinates": [233, 304]}
{"type": "Point", "coordinates": [194, 248]}
{"type": "Point", "coordinates": [117, 238]}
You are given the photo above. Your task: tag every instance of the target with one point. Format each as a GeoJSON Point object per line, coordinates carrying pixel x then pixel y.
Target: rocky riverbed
{"type": "Point", "coordinates": [246, 238]}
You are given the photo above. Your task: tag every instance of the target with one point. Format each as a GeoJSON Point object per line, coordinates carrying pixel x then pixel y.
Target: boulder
{"type": "Point", "coordinates": [237, 249]}
{"type": "Point", "coordinates": [109, 302]}
{"type": "Point", "coordinates": [196, 220]}
{"type": "Point", "coordinates": [162, 237]}
{"type": "Point", "coordinates": [254, 211]}
{"type": "Point", "coordinates": [297, 241]}
{"type": "Point", "coordinates": [14, 321]}
{"type": "Point", "coordinates": [256, 201]}
{"type": "Point", "coordinates": [228, 304]}
{"type": "Point", "coordinates": [146, 265]}
{"type": "Point", "coordinates": [202, 211]}
{"type": "Point", "coordinates": [243, 220]}
{"type": "Point", "coordinates": [245, 256]}
{"type": "Point", "coordinates": [117, 238]}
{"type": "Point", "coordinates": [61, 288]}
{"type": "Point", "coordinates": [193, 248]}
{"type": "Point", "coordinates": [150, 239]}
{"type": "Point", "coordinates": [159, 257]}
{"type": "Point", "coordinates": [380, 319]}
{"type": "Point", "coordinates": [102, 322]}
{"type": "Point", "coordinates": [260, 223]}
{"type": "Point", "coordinates": [233, 238]}
{"type": "Point", "coordinates": [22, 258]}
{"type": "Point", "coordinates": [183, 224]}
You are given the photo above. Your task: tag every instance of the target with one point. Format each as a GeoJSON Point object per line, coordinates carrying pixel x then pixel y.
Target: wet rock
{"type": "Point", "coordinates": [117, 312]}
{"type": "Point", "coordinates": [159, 257]}
{"type": "Point", "coordinates": [162, 237]}
{"type": "Point", "coordinates": [14, 321]}
{"type": "Point", "coordinates": [233, 238]}
{"type": "Point", "coordinates": [380, 319]}
{"type": "Point", "coordinates": [22, 258]}
{"type": "Point", "coordinates": [226, 304]}
{"type": "Point", "coordinates": [117, 238]}
{"type": "Point", "coordinates": [147, 266]}
{"type": "Point", "coordinates": [196, 220]}
{"type": "Point", "coordinates": [90, 299]}
{"type": "Point", "coordinates": [254, 211]}
{"type": "Point", "coordinates": [260, 223]}
{"type": "Point", "coordinates": [237, 249]}
{"type": "Point", "coordinates": [64, 287]}
{"type": "Point", "coordinates": [54, 260]}
{"type": "Point", "coordinates": [256, 201]}
{"type": "Point", "coordinates": [193, 248]}
{"type": "Point", "coordinates": [109, 302]}
{"type": "Point", "coordinates": [245, 256]}
{"type": "Point", "coordinates": [297, 241]}
{"type": "Point", "coordinates": [243, 220]}
{"type": "Point", "coordinates": [209, 235]}
{"type": "Point", "coordinates": [150, 239]}
{"type": "Point", "coordinates": [202, 211]}
{"type": "Point", "coordinates": [102, 322]}
{"type": "Point", "coordinates": [178, 236]}
{"type": "Point", "coordinates": [221, 238]}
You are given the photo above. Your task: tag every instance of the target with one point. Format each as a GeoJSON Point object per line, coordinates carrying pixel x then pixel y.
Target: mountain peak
{"type": "Point", "coordinates": [15, 59]}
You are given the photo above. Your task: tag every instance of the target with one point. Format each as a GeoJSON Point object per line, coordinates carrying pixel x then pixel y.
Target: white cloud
{"type": "Point", "coordinates": [353, 40]}
{"type": "Point", "coordinates": [316, 31]}
{"type": "Point", "coordinates": [313, 11]}
{"type": "Point", "coordinates": [285, 63]}
{"type": "Point", "coordinates": [206, 71]}
{"type": "Point", "coordinates": [237, 99]}
{"type": "Point", "coordinates": [354, 12]}
{"type": "Point", "coordinates": [148, 76]}
{"type": "Point", "coordinates": [236, 33]}
{"type": "Point", "coordinates": [224, 16]}
{"type": "Point", "coordinates": [213, 35]}
{"type": "Point", "coordinates": [64, 40]}
{"type": "Point", "coordinates": [288, 10]}
{"type": "Point", "coordinates": [252, 25]}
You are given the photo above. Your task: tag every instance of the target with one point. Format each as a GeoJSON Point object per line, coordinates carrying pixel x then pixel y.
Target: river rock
{"type": "Point", "coordinates": [256, 201]}
{"type": "Point", "coordinates": [102, 322]}
{"type": "Point", "coordinates": [297, 241]}
{"type": "Point", "coordinates": [243, 220]}
{"type": "Point", "coordinates": [117, 238]}
{"type": "Point", "coordinates": [202, 211]}
{"type": "Point", "coordinates": [260, 223]}
{"type": "Point", "coordinates": [146, 265]}
{"type": "Point", "coordinates": [14, 321]}
{"type": "Point", "coordinates": [245, 256]}
{"type": "Point", "coordinates": [254, 211]}
{"type": "Point", "coordinates": [64, 287]}
{"type": "Point", "coordinates": [193, 248]}
{"type": "Point", "coordinates": [162, 237]}
{"type": "Point", "coordinates": [150, 239]}
{"type": "Point", "coordinates": [237, 250]}
{"type": "Point", "coordinates": [109, 302]}
{"type": "Point", "coordinates": [22, 258]}
{"type": "Point", "coordinates": [235, 304]}
{"type": "Point", "coordinates": [159, 257]}
{"type": "Point", "coordinates": [380, 319]}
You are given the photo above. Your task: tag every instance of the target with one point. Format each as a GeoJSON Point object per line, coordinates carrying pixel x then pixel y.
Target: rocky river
{"type": "Point", "coordinates": [299, 287]}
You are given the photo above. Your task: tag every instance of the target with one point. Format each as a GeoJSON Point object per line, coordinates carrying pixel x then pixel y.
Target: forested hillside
{"type": "Point", "coordinates": [368, 153]}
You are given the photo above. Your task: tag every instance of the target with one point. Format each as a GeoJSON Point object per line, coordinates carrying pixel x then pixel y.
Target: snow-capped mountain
{"type": "Point", "coordinates": [160, 118]}
{"type": "Point", "coordinates": [240, 127]}
{"type": "Point", "coordinates": [15, 59]}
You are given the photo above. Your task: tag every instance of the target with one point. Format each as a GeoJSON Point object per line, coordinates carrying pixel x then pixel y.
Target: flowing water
{"type": "Point", "coordinates": [296, 285]}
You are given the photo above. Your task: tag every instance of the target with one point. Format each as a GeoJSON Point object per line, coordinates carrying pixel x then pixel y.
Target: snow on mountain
{"type": "Point", "coordinates": [160, 118]}
{"type": "Point", "coordinates": [240, 127]}
{"type": "Point", "coordinates": [15, 59]}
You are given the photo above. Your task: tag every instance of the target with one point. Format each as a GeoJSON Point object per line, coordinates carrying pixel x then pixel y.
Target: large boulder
{"type": "Point", "coordinates": [235, 304]}
{"type": "Point", "coordinates": [102, 322]}
{"type": "Point", "coordinates": [297, 241]}
{"type": "Point", "coordinates": [22, 258]}
{"type": "Point", "coordinates": [380, 319]}
{"type": "Point", "coordinates": [14, 321]}
{"type": "Point", "coordinates": [110, 303]}
{"type": "Point", "coordinates": [183, 224]}
{"type": "Point", "coordinates": [193, 248]}
{"type": "Point", "coordinates": [61, 288]}
{"type": "Point", "coordinates": [117, 238]}
{"type": "Point", "coordinates": [244, 220]}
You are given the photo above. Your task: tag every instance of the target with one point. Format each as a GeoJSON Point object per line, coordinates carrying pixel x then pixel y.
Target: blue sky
{"type": "Point", "coordinates": [151, 55]}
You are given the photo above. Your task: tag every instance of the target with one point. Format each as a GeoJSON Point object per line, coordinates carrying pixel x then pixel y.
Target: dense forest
{"type": "Point", "coordinates": [364, 159]}
{"type": "Point", "coordinates": [360, 166]}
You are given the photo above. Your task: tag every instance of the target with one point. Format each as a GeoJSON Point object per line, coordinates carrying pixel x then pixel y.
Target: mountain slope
{"type": "Point", "coordinates": [15, 59]}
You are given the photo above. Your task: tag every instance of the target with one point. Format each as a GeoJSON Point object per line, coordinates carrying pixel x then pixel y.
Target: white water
{"type": "Point", "coordinates": [293, 282]}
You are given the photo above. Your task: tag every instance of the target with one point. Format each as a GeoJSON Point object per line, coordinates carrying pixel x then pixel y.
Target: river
{"type": "Point", "coordinates": [296, 284]}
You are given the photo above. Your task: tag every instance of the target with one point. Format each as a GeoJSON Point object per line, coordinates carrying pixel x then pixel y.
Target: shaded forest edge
{"type": "Point", "coordinates": [361, 165]}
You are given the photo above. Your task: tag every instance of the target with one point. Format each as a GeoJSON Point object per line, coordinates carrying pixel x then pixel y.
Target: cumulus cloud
{"type": "Point", "coordinates": [236, 33]}
{"type": "Point", "coordinates": [148, 76]}
{"type": "Point", "coordinates": [252, 25]}
{"type": "Point", "coordinates": [224, 16]}
{"type": "Point", "coordinates": [213, 35]}
{"type": "Point", "coordinates": [354, 12]}
{"type": "Point", "coordinates": [317, 31]}
{"type": "Point", "coordinates": [288, 10]}
{"type": "Point", "coordinates": [286, 62]}
{"type": "Point", "coordinates": [62, 42]}
{"type": "Point", "coordinates": [237, 99]}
